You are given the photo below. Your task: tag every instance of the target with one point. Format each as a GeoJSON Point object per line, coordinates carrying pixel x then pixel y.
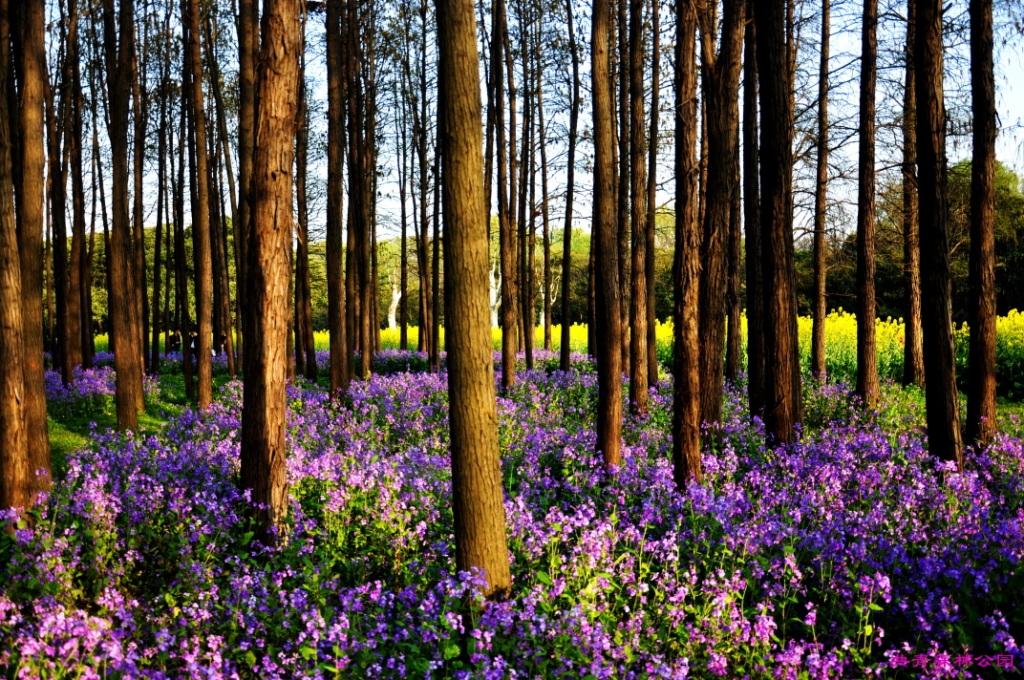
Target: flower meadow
{"type": "Point", "coordinates": [852, 553]}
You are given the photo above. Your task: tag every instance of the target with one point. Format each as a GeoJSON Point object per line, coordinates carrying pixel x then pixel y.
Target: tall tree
{"type": "Point", "coordinates": [200, 211]}
{"type": "Point", "coordinates": [752, 225]}
{"type": "Point", "coordinates": [652, 190]}
{"type": "Point", "coordinates": [339, 361]}
{"type": "Point", "coordinates": [31, 66]}
{"type": "Point", "coordinates": [782, 408]}
{"type": "Point", "coordinates": [126, 327]}
{"type": "Point", "coordinates": [981, 383]}
{"type": "Point", "coordinates": [913, 349]}
{"type": "Point", "coordinates": [820, 205]}
{"type": "Point", "coordinates": [608, 304]}
{"type": "Point", "coordinates": [248, 43]}
{"type": "Point", "coordinates": [269, 233]}
{"type": "Point", "coordinates": [480, 541]}
{"type": "Point", "coordinates": [570, 171]}
{"type": "Point", "coordinates": [867, 359]}
{"type": "Point", "coordinates": [720, 76]}
{"type": "Point", "coordinates": [686, 454]}
{"type": "Point", "coordinates": [942, 405]}
{"type": "Point", "coordinates": [506, 229]}
{"type": "Point", "coordinates": [304, 343]}
{"type": "Point", "coordinates": [638, 298]}
{"type": "Point", "coordinates": [16, 483]}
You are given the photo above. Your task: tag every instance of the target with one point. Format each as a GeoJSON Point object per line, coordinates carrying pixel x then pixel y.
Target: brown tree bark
{"type": "Point", "coordinates": [269, 232]}
{"type": "Point", "coordinates": [820, 205]}
{"type": "Point", "coordinates": [118, 29]}
{"type": "Point", "coordinates": [570, 171]}
{"type": "Point", "coordinates": [867, 353]}
{"type": "Point", "coordinates": [303, 294]}
{"type": "Point", "coordinates": [752, 225]}
{"type": "Point", "coordinates": [941, 402]}
{"type": "Point", "coordinates": [652, 191]}
{"type": "Point", "coordinates": [545, 215]}
{"type": "Point", "coordinates": [476, 472]}
{"type": "Point", "coordinates": [686, 264]}
{"type": "Point", "coordinates": [732, 296]}
{"type": "Point", "coordinates": [506, 228]}
{"type": "Point", "coordinates": [638, 298]}
{"type": "Point", "coordinates": [76, 294]}
{"type": "Point", "coordinates": [981, 382]}
{"type": "Point", "coordinates": [339, 352]}
{"type": "Point", "coordinates": [782, 409]}
{"type": "Point", "coordinates": [29, 219]}
{"type": "Point", "coordinates": [620, 76]}
{"type": "Point", "coordinates": [720, 76]}
{"type": "Point", "coordinates": [913, 348]}
{"type": "Point", "coordinates": [140, 118]}
{"type": "Point", "coordinates": [200, 211]}
{"type": "Point", "coordinates": [607, 303]}
{"type": "Point", "coordinates": [248, 44]}
{"type": "Point", "coordinates": [16, 480]}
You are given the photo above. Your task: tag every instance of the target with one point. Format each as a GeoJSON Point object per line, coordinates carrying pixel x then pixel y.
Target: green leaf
{"type": "Point", "coordinates": [249, 658]}
{"type": "Point", "coordinates": [451, 651]}
{"type": "Point", "coordinates": [308, 653]}
{"type": "Point", "coordinates": [542, 577]}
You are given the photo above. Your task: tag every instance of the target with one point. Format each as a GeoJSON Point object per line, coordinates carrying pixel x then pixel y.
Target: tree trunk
{"type": "Point", "coordinates": [732, 297]}
{"type": "Point", "coordinates": [125, 322]}
{"type": "Point", "coordinates": [751, 226]}
{"type": "Point", "coordinates": [248, 44]}
{"type": "Point", "coordinates": [608, 304]}
{"type": "Point", "coordinates": [17, 485]}
{"type": "Point", "coordinates": [480, 538]}
{"type": "Point", "coordinates": [981, 383]}
{"type": "Point", "coordinates": [339, 352]}
{"type": "Point", "coordinates": [941, 402]}
{"type": "Point", "coordinates": [820, 191]}
{"type": "Point", "coordinates": [621, 161]}
{"type": "Point", "coordinates": [686, 264]}
{"type": "Point", "coordinates": [506, 229]}
{"type": "Point", "coordinates": [140, 120]}
{"type": "Point", "coordinates": [867, 356]}
{"type": "Point", "coordinates": [269, 230]}
{"type": "Point", "coordinates": [720, 76]}
{"type": "Point", "coordinates": [913, 349]}
{"type": "Point", "coordinates": [574, 115]}
{"type": "Point", "coordinates": [29, 220]}
{"type": "Point", "coordinates": [303, 295]}
{"type": "Point", "coordinates": [782, 359]}
{"type": "Point", "coordinates": [161, 175]}
{"type": "Point", "coordinates": [638, 298]}
{"type": "Point", "coordinates": [652, 191]}
{"type": "Point", "coordinates": [200, 213]}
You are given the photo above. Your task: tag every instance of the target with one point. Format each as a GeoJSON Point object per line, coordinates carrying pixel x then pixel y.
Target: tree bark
{"type": "Point", "coordinates": [506, 229]}
{"type": "Point", "coordinates": [269, 230]}
{"type": "Point", "coordinates": [570, 171]}
{"type": "Point", "coordinates": [820, 205]}
{"type": "Point", "coordinates": [248, 44]}
{"type": "Point", "coordinates": [17, 485]}
{"type": "Point", "coordinates": [686, 263]}
{"type": "Point", "coordinates": [303, 295]}
{"type": "Point", "coordinates": [942, 405]}
{"type": "Point", "coordinates": [913, 349]}
{"type": "Point", "coordinates": [652, 191]}
{"type": "Point", "coordinates": [720, 76]}
{"type": "Point", "coordinates": [480, 538]}
{"type": "Point", "coordinates": [867, 353]}
{"type": "Point", "coordinates": [607, 303]}
{"type": "Point", "coordinates": [782, 359]}
{"type": "Point", "coordinates": [125, 322]}
{"type": "Point", "coordinates": [638, 298]}
{"type": "Point", "coordinates": [339, 352]}
{"type": "Point", "coordinates": [201, 213]}
{"type": "Point", "coordinates": [29, 220]}
{"type": "Point", "coordinates": [752, 226]}
{"type": "Point", "coordinates": [981, 383]}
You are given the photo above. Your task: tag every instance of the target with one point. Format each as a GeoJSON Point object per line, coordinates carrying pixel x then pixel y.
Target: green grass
{"type": "Point", "coordinates": [70, 426]}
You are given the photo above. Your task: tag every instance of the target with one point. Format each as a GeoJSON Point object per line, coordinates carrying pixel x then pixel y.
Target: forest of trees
{"type": "Point", "coordinates": [250, 172]}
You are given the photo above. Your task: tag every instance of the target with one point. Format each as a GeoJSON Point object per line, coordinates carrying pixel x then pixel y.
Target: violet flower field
{"type": "Point", "coordinates": [850, 554]}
